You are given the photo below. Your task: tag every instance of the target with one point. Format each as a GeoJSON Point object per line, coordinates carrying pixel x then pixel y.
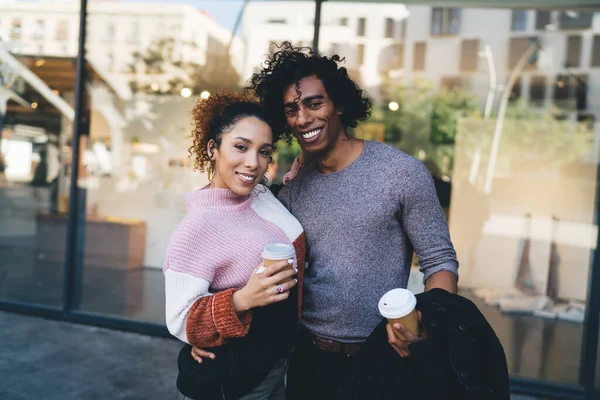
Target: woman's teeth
{"type": "Point", "coordinates": [248, 178]}
{"type": "Point", "coordinates": [311, 134]}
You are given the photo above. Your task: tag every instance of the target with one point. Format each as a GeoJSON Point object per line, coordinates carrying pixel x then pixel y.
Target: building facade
{"type": "Point", "coordinates": [518, 181]}
{"type": "Point", "coordinates": [116, 33]}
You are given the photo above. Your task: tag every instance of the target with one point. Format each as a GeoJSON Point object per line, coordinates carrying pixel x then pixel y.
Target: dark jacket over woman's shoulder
{"type": "Point", "coordinates": [461, 359]}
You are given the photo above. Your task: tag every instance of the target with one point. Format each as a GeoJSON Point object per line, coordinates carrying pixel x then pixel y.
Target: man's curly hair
{"type": "Point", "coordinates": [215, 116]}
{"type": "Point", "coordinates": [289, 65]}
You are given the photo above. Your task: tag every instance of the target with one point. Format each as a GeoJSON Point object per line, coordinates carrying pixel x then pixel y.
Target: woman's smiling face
{"type": "Point", "coordinates": [243, 156]}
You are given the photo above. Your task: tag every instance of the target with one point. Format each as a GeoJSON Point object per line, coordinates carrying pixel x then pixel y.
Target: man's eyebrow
{"type": "Point", "coordinates": [308, 99]}
{"type": "Point", "coordinates": [305, 100]}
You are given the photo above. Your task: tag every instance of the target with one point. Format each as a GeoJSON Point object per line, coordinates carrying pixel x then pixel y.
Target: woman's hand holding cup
{"type": "Point", "coordinates": [267, 285]}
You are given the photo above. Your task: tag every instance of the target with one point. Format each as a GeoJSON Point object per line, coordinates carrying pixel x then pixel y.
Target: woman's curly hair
{"type": "Point", "coordinates": [289, 65]}
{"type": "Point", "coordinates": [215, 116]}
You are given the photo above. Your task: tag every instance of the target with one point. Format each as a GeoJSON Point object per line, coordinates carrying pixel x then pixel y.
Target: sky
{"type": "Point", "coordinates": [224, 11]}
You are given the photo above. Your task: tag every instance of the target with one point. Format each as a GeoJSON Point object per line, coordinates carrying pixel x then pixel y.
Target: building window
{"type": "Point", "coordinates": [403, 24]}
{"type": "Point", "coordinates": [276, 21]}
{"type": "Point", "coordinates": [575, 20]}
{"type": "Point", "coordinates": [419, 56]}
{"type": "Point", "coordinates": [596, 52]}
{"type": "Point", "coordinates": [398, 56]}
{"type": "Point", "coordinates": [537, 90]}
{"type": "Point", "coordinates": [570, 92]}
{"type": "Point", "coordinates": [15, 29]}
{"type": "Point", "coordinates": [573, 56]}
{"type": "Point", "coordinates": [362, 27]}
{"type": "Point", "coordinates": [135, 32]}
{"type": "Point", "coordinates": [343, 21]}
{"type": "Point", "coordinates": [110, 61]}
{"type": "Point", "coordinates": [515, 92]}
{"type": "Point", "coordinates": [389, 28]}
{"type": "Point", "coordinates": [469, 55]}
{"type": "Point", "coordinates": [519, 21]}
{"type": "Point", "coordinates": [452, 82]}
{"type": "Point", "coordinates": [360, 54]}
{"type": "Point", "coordinates": [110, 32]}
{"type": "Point", "coordinates": [445, 21]}
{"type": "Point", "coordinates": [542, 20]}
{"type": "Point", "coordinates": [517, 47]}
{"type": "Point", "coordinates": [39, 29]}
{"type": "Point", "coordinates": [62, 30]}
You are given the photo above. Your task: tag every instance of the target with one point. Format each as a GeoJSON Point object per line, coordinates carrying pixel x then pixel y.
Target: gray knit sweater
{"type": "Point", "coordinates": [361, 224]}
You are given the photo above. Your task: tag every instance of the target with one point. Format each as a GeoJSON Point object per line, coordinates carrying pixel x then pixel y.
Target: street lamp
{"type": "Point", "coordinates": [186, 92]}
{"type": "Point", "coordinates": [205, 94]}
{"type": "Point", "coordinates": [393, 106]}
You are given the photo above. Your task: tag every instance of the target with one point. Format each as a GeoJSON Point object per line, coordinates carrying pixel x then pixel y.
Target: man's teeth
{"type": "Point", "coordinates": [248, 178]}
{"type": "Point", "coordinates": [311, 134]}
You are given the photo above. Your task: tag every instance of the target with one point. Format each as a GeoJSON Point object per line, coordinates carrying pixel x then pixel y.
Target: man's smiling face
{"type": "Point", "coordinates": [313, 118]}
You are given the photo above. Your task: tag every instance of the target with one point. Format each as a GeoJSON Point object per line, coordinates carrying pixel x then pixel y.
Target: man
{"type": "Point", "coordinates": [364, 207]}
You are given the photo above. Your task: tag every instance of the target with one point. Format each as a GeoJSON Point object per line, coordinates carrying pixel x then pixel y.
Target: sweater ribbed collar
{"type": "Point", "coordinates": [219, 199]}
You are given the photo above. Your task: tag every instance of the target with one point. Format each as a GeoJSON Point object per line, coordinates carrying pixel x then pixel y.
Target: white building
{"type": "Point", "coordinates": [115, 31]}
{"type": "Point", "coordinates": [445, 45]}
{"type": "Point", "coordinates": [396, 43]}
{"type": "Point", "coordinates": [359, 32]}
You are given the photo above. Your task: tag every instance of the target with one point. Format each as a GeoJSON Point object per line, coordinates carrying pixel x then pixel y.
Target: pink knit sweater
{"type": "Point", "coordinates": [213, 252]}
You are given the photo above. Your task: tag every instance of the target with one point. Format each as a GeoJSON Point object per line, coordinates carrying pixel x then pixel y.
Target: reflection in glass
{"type": "Point", "coordinates": [153, 64]}
{"type": "Point", "coordinates": [37, 85]}
{"type": "Point", "coordinates": [518, 187]}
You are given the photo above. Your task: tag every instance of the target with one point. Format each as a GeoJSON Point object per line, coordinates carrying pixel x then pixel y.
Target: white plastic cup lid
{"type": "Point", "coordinates": [278, 251]}
{"type": "Point", "coordinates": [397, 303]}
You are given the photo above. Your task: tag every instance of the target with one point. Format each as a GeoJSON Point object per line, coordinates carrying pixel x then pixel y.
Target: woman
{"type": "Point", "coordinates": [217, 295]}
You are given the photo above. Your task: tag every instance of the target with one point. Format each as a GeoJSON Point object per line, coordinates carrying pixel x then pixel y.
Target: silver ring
{"type": "Point", "coordinates": [280, 288]}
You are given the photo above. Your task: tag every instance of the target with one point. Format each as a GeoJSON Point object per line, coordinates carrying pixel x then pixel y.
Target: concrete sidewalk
{"type": "Point", "coordinates": [53, 360]}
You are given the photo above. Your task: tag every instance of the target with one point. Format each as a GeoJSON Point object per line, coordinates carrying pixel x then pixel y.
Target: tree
{"type": "Point", "coordinates": [425, 124]}
{"type": "Point", "coordinates": [161, 70]}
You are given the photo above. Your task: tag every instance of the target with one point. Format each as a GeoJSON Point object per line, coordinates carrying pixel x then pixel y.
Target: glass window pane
{"type": "Point", "coordinates": [519, 20]}
{"type": "Point", "coordinates": [37, 87]}
{"type": "Point", "coordinates": [525, 246]}
{"type": "Point", "coordinates": [542, 20]}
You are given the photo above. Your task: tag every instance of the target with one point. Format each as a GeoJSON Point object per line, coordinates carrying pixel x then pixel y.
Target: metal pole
{"type": "Point", "coordinates": [589, 347]}
{"type": "Point", "coordinates": [501, 112]}
{"type": "Point", "coordinates": [315, 45]}
{"type": "Point", "coordinates": [238, 20]}
{"type": "Point", "coordinates": [73, 234]}
{"type": "Point", "coordinates": [493, 82]}
{"type": "Point", "coordinates": [493, 86]}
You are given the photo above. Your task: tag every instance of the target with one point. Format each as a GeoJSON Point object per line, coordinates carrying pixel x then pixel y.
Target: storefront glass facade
{"type": "Point", "coordinates": [501, 105]}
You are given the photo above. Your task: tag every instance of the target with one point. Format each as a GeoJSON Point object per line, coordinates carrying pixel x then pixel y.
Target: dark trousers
{"type": "Point", "coordinates": [315, 374]}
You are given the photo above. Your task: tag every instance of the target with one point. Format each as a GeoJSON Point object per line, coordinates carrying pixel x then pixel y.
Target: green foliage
{"type": "Point", "coordinates": [425, 125]}
{"type": "Point", "coordinates": [285, 155]}
{"type": "Point", "coordinates": [529, 142]}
